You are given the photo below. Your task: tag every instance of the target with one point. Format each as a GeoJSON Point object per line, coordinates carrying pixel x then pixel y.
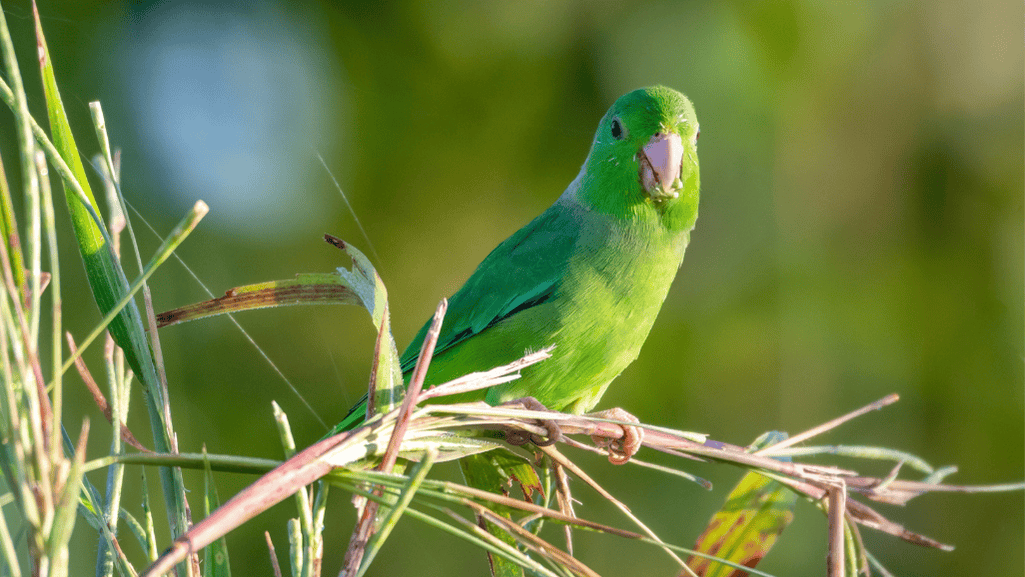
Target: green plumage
{"type": "Point", "coordinates": [588, 275]}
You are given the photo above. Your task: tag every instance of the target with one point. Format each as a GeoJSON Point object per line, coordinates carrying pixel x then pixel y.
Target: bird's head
{"type": "Point", "coordinates": [644, 154]}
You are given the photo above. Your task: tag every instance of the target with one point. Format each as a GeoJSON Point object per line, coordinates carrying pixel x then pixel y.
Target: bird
{"type": "Point", "coordinates": [587, 276]}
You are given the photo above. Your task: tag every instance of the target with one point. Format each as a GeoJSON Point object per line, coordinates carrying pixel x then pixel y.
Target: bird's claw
{"type": "Point", "coordinates": [521, 437]}
{"type": "Point", "coordinates": [622, 449]}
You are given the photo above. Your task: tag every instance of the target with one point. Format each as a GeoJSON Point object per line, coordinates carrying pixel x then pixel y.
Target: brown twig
{"type": "Point", "coordinates": [835, 560]}
{"type": "Point", "coordinates": [560, 459]}
{"type": "Point", "coordinates": [416, 383]}
{"type": "Point", "coordinates": [801, 437]}
{"type": "Point", "coordinates": [345, 449]}
{"type": "Point", "coordinates": [810, 480]}
{"type": "Point", "coordinates": [565, 500]}
{"type": "Point", "coordinates": [530, 507]}
{"type": "Point", "coordinates": [273, 555]}
{"type": "Point", "coordinates": [375, 365]}
{"type": "Point", "coordinates": [533, 542]}
{"type": "Point", "coordinates": [98, 398]}
{"type": "Point", "coordinates": [365, 526]}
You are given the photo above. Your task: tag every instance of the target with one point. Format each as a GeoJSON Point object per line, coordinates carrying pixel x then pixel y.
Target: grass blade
{"type": "Point", "coordinates": [9, 230]}
{"type": "Point", "coordinates": [416, 478]}
{"type": "Point", "coordinates": [16, 100]}
{"type": "Point", "coordinates": [107, 279]}
{"type": "Point", "coordinates": [216, 553]}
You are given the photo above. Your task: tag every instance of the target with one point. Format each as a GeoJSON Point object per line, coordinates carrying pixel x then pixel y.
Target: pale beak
{"type": "Point", "coordinates": [660, 161]}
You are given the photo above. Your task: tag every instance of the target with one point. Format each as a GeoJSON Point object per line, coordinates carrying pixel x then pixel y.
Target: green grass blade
{"type": "Point", "coordinates": [90, 237]}
{"type": "Point", "coordinates": [302, 496]}
{"type": "Point", "coordinates": [147, 511]}
{"type": "Point", "coordinates": [7, 552]}
{"type": "Point", "coordinates": [304, 289]}
{"type": "Point", "coordinates": [64, 522]}
{"type": "Point", "coordinates": [17, 101]}
{"type": "Point", "coordinates": [107, 279]}
{"type": "Point", "coordinates": [387, 373]}
{"type": "Point", "coordinates": [90, 507]}
{"type": "Point", "coordinates": [215, 554]}
{"type": "Point", "coordinates": [315, 544]}
{"type": "Point", "coordinates": [56, 345]}
{"type": "Point", "coordinates": [9, 230]}
{"type": "Point", "coordinates": [360, 285]}
{"type": "Point", "coordinates": [295, 546]}
{"type": "Point", "coordinates": [416, 478]}
{"type": "Point", "coordinates": [135, 528]}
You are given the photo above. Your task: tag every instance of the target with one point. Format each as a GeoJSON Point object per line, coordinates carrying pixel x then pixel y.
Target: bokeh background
{"type": "Point", "coordinates": [860, 230]}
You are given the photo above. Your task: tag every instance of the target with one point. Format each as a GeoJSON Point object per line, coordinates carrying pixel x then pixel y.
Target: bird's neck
{"type": "Point", "coordinates": [621, 198]}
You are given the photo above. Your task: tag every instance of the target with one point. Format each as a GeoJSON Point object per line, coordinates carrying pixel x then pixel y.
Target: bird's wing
{"type": "Point", "coordinates": [520, 273]}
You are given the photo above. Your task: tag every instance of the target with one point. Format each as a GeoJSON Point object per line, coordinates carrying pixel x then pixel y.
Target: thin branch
{"type": "Point", "coordinates": [415, 385]}
{"type": "Point", "coordinates": [835, 560]}
{"type": "Point", "coordinates": [801, 437]}
{"type": "Point", "coordinates": [365, 526]}
{"type": "Point", "coordinates": [275, 566]}
{"type": "Point", "coordinates": [455, 430]}
{"type": "Point", "coordinates": [99, 399]}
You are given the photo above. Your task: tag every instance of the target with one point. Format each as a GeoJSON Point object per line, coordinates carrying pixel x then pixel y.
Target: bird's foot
{"type": "Point", "coordinates": [521, 437]}
{"type": "Point", "coordinates": [620, 450]}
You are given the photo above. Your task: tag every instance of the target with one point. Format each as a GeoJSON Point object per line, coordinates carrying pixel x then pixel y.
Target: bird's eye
{"type": "Point", "coordinates": [617, 129]}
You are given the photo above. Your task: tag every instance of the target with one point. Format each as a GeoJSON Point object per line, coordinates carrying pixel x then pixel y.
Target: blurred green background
{"type": "Point", "coordinates": [860, 230]}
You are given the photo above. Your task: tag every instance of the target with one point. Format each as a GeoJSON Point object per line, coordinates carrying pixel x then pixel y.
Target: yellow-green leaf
{"type": "Point", "coordinates": [745, 529]}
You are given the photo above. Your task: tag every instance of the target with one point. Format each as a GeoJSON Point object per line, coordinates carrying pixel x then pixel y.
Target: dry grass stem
{"type": "Point", "coordinates": [100, 399]}
{"type": "Point", "coordinates": [275, 566]}
{"type": "Point", "coordinates": [368, 519]}
{"type": "Point", "coordinates": [835, 560]}
{"type": "Point", "coordinates": [441, 427]}
{"type": "Point", "coordinates": [801, 437]}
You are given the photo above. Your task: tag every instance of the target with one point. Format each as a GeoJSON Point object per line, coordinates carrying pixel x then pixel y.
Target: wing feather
{"type": "Point", "coordinates": [518, 274]}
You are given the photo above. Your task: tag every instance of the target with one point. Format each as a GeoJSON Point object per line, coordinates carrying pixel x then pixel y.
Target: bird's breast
{"type": "Point", "coordinates": [599, 315]}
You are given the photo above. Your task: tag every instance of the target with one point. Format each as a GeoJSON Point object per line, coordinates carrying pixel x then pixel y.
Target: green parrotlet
{"type": "Point", "coordinates": [589, 274]}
